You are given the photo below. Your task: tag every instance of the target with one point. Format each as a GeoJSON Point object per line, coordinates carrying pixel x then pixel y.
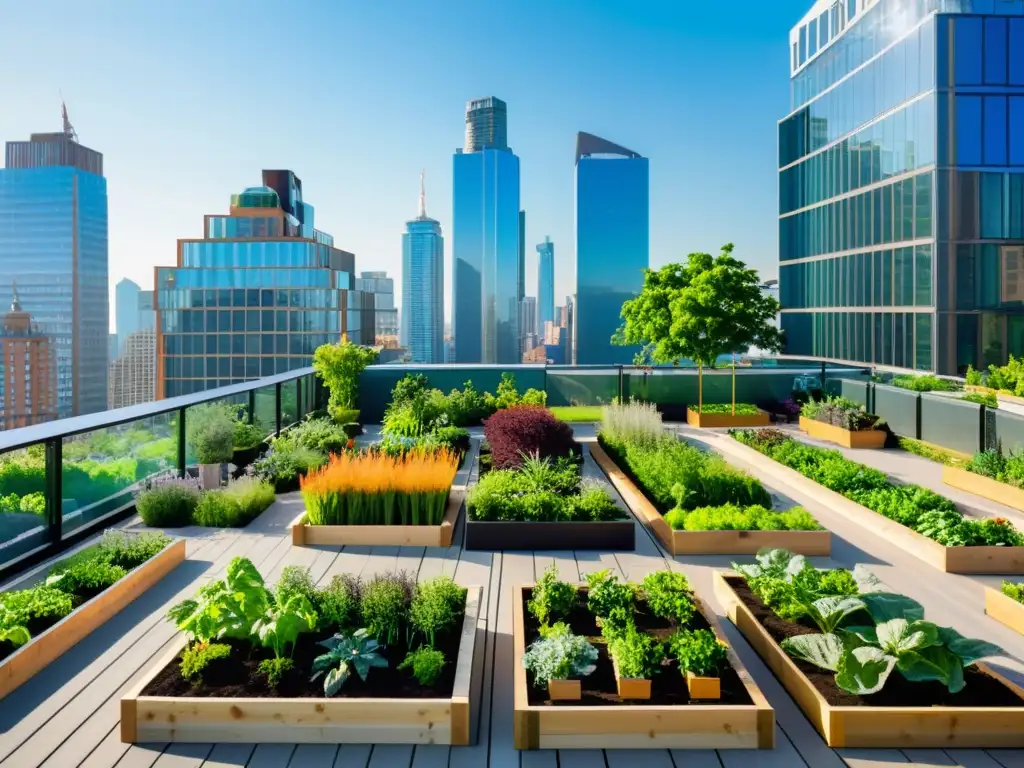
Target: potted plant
{"type": "Point", "coordinates": [636, 656]}
{"type": "Point", "coordinates": [247, 442]}
{"type": "Point", "coordinates": [339, 367]}
{"type": "Point", "coordinates": [701, 655]}
{"type": "Point", "coordinates": [559, 658]}
{"type": "Point", "coordinates": [211, 433]}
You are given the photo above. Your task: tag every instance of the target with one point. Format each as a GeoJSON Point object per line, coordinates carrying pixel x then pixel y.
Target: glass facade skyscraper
{"type": "Point", "coordinates": [257, 295]}
{"type": "Point", "coordinates": [612, 245]}
{"type": "Point", "coordinates": [485, 254]}
{"type": "Point", "coordinates": [53, 243]}
{"type": "Point", "coordinates": [384, 310]}
{"type": "Point", "coordinates": [486, 124]}
{"type": "Point", "coordinates": [423, 287]}
{"type": "Point", "coordinates": [901, 231]}
{"type": "Point", "coordinates": [545, 283]}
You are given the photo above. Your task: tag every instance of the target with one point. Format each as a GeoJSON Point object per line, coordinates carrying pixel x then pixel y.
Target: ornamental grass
{"type": "Point", "coordinates": [370, 488]}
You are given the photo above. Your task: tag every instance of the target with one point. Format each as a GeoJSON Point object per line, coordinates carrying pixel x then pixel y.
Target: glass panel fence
{"type": "Point", "coordinates": [951, 423]}
{"type": "Point", "coordinates": [289, 403]}
{"type": "Point", "coordinates": [23, 525]}
{"type": "Point", "coordinates": [266, 409]}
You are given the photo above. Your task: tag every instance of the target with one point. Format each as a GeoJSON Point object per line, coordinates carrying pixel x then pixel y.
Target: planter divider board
{"type": "Point", "coordinates": [986, 487]}
{"type": "Point", "coordinates": [706, 542]}
{"type": "Point", "coordinates": [1004, 609]}
{"type": "Point", "coordinates": [338, 720]}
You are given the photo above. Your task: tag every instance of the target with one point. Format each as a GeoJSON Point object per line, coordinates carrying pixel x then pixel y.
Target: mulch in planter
{"type": "Point", "coordinates": [239, 677]}
{"type": "Point", "coordinates": [668, 686]}
{"type": "Point", "coordinates": [981, 690]}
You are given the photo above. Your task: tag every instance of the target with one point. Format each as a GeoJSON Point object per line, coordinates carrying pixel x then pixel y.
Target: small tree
{"type": "Point", "coordinates": [339, 367]}
{"type": "Point", "coordinates": [709, 306]}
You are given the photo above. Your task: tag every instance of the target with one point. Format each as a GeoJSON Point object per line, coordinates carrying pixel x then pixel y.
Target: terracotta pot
{"type": "Point", "coordinates": [565, 690]}
{"type": "Point", "coordinates": [704, 687]}
{"type": "Point", "coordinates": [209, 476]}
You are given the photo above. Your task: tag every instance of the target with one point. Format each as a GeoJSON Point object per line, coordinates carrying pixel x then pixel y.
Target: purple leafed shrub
{"type": "Point", "coordinates": [526, 430]}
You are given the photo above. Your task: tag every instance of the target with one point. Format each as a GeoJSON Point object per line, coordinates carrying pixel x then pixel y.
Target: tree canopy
{"type": "Point", "coordinates": [709, 306]}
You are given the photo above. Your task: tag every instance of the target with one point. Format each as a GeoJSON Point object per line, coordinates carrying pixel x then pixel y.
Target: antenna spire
{"type": "Point", "coordinates": [423, 195]}
{"type": "Point", "coordinates": [69, 129]}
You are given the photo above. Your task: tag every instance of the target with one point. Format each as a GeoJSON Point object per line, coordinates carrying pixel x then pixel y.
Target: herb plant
{"type": "Point", "coordinates": [197, 657]}
{"type": "Point", "coordinates": [669, 595]}
{"type": "Point", "coordinates": [226, 608]}
{"type": "Point", "coordinates": [383, 605]}
{"type": "Point", "coordinates": [436, 607]}
{"type": "Point", "coordinates": [698, 651]}
{"type": "Point", "coordinates": [551, 598]}
{"type": "Point", "coordinates": [274, 669]}
{"type": "Point", "coordinates": [1013, 591]}
{"type": "Point", "coordinates": [283, 622]}
{"type": "Point", "coordinates": [605, 593]}
{"type": "Point", "coordinates": [337, 604]}
{"type": "Point", "coordinates": [346, 653]}
{"type": "Point", "coordinates": [559, 655]}
{"type": "Point", "coordinates": [637, 654]}
{"type": "Point", "coordinates": [426, 664]}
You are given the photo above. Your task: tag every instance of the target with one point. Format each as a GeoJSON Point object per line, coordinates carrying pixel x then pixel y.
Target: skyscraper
{"type": "Point", "coordinates": [385, 312]}
{"type": "Point", "coordinates": [132, 378]}
{"type": "Point", "coordinates": [257, 295]}
{"type": "Point", "coordinates": [485, 251]}
{"type": "Point", "coordinates": [423, 287]}
{"type": "Point", "coordinates": [522, 255]}
{"type": "Point", "coordinates": [528, 323]}
{"type": "Point", "coordinates": [28, 393]}
{"type": "Point", "coordinates": [53, 241]}
{"type": "Point", "coordinates": [545, 283]}
{"type": "Point", "coordinates": [612, 245]}
{"type": "Point", "coordinates": [133, 310]}
{"type": "Point", "coordinates": [901, 181]}
{"type": "Point", "coordinates": [486, 124]}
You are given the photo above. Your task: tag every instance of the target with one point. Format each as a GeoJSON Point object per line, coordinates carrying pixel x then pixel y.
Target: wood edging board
{"type": "Point", "coordinates": [986, 487]}
{"type": "Point", "coordinates": [862, 438]}
{"type": "Point", "coordinates": [48, 646]}
{"type": "Point", "coordinates": [306, 535]}
{"type": "Point", "coordinates": [1004, 609]}
{"type": "Point", "coordinates": [624, 726]}
{"type": "Point", "coordinates": [878, 727]}
{"type": "Point", "coordinates": [724, 420]}
{"type": "Point", "coordinates": [962, 560]}
{"type": "Point", "coordinates": [498, 536]}
{"type": "Point", "coordinates": [184, 719]}
{"type": "Point", "coordinates": [706, 542]}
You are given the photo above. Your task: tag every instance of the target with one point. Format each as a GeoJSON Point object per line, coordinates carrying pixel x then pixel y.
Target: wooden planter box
{"type": "Point", "coordinates": [983, 486]}
{"type": "Point", "coordinates": [862, 438]}
{"type": "Point", "coordinates": [1004, 609]}
{"type": "Point", "coordinates": [706, 542]}
{"type": "Point", "coordinates": [722, 420]}
{"type": "Point", "coordinates": [623, 726]}
{"type": "Point", "coordinates": [306, 535]}
{"type": "Point", "coordinates": [58, 639]}
{"type": "Point", "coordinates": [612, 535]}
{"type": "Point", "coordinates": [878, 727]}
{"type": "Point", "coordinates": [306, 721]}
{"type": "Point", "coordinates": [963, 560]}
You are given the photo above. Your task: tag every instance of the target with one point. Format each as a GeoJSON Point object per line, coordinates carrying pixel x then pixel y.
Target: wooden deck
{"type": "Point", "coordinates": [68, 715]}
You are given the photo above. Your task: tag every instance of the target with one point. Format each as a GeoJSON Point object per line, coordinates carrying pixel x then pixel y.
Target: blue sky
{"type": "Point", "coordinates": [189, 100]}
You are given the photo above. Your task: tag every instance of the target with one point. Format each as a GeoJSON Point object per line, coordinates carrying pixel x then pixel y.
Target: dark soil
{"type": "Point", "coordinates": [239, 676]}
{"type": "Point", "coordinates": [668, 686]}
{"type": "Point", "coordinates": [981, 690]}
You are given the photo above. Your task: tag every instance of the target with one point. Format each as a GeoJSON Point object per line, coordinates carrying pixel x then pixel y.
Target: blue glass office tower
{"type": "Point", "coordinates": [485, 250]}
{"type": "Point", "coordinates": [612, 245]}
{"type": "Point", "coordinates": [257, 295]}
{"type": "Point", "coordinates": [423, 287]}
{"type": "Point", "coordinates": [53, 243]}
{"type": "Point", "coordinates": [545, 283]}
{"type": "Point", "coordinates": [901, 204]}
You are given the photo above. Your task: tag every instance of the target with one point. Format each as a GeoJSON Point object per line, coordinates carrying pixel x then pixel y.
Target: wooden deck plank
{"type": "Point", "coordinates": [431, 756]}
{"type": "Point", "coordinates": [629, 758]}
{"type": "Point", "coordinates": [314, 756]}
{"type": "Point", "coordinates": [971, 758]}
{"type": "Point", "coordinates": [353, 756]}
{"type": "Point", "coordinates": [928, 757]}
{"type": "Point", "coordinates": [229, 756]}
{"type": "Point", "coordinates": [539, 758]}
{"type": "Point", "coordinates": [271, 755]}
{"type": "Point", "coordinates": [785, 755]}
{"type": "Point", "coordinates": [516, 568]}
{"type": "Point", "coordinates": [696, 758]}
{"type": "Point", "coordinates": [872, 758]}
{"type": "Point", "coordinates": [391, 755]}
{"type": "Point", "coordinates": [141, 756]}
{"type": "Point", "coordinates": [184, 756]}
{"type": "Point", "coordinates": [1008, 758]}
{"type": "Point", "coordinates": [581, 758]}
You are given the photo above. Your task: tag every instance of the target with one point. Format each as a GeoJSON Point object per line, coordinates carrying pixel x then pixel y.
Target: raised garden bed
{"type": "Point", "coordinates": [986, 487]}
{"type": "Point", "coordinates": [1004, 609]}
{"type": "Point", "coordinates": [726, 420]}
{"type": "Point", "coordinates": [740, 719]}
{"type": "Point", "coordinates": [1006, 397]}
{"type": "Point", "coordinates": [987, 713]}
{"type": "Point", "coordinates": [48, 645]}
{"type": "Point", "coordinates": [959, 559]}
{"type": "Point", "coordinates": [706, 542]}
{"type": "Point", "coordinates": [388, 708]}
{"type": "Point", "coordinates": [861, 438]}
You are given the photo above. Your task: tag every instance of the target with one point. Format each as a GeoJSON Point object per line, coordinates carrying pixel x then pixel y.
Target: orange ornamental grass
{"type": "Point", "coordinates": [369, 488]}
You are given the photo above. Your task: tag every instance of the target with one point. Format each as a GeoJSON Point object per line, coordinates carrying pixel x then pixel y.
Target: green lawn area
{"type": "Point", "coordinates": [577, 413]}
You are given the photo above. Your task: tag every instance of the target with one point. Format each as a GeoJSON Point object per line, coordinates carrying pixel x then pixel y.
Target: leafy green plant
{"type": "Point", "coordinates": [282, 465]}
{"type": "Point", "coordinates": [320, 435]}
{"type": "Point", "coordinates": [426, 664]}
{"type": "Point", "coordinates": [437, 605]}
{"type": "Point", "coordinates": [295, 580]}
{"type": "Point", "coordinates": [35, 609]}
{"type": "Point", "coordinates": [339, 366]}
{"type": "Point", "coordinates": [130, 550]}
{"type": "Point", "coordinates": [731, 517]}
{"type": "Point", "coordinates": [226, 608]}
{"type": "Point", "coordinates": [987, 399]}
{"type": "Point", "coordinates": [87, 577]}
{"type": "Point", "coordinates": [198, 656]}
{"type": "Point", "coordinates": [605, 593]}
{"type": "Point", "coordinates": [247, 436]}
{"type": "Point", "coordinates": [741, 409]}
{"type": "Point", "coordinates": [168, 502]}
{"type": "Point", "coordinates": [384, 603]}
{"type": "Point", "coordinates": [933, 452]}
{"type": "Point", "coordinates": [637, 654]}
{"type": "Point", "coordinates": [559, 655]}
{"type": "Point", "coordinates": [282, 624]}
{"type": "Point", "coordinates": [275, 669]}
{"type": "Point", "coordinates": [926, 383]}
{"type": "Point", "coordinates": [337, 604]}
{"type": "Point", "coordinates": [1013, 591]}
{"type": "Point", "coordinates": [699, 652]}
{"type": "Point", "coordinates": [235, 506]}
{"type": "Point", "coordinates": [345, 653]}
{"type": "Point", "coordinates": [551, 597]}
{"type": "Point", "coordinates": [791, 586]}
{"type": "Point", "coordinates": [210, 430]}
{"type": "Point", "coordinates": [16, 635]}
{"type": "Point", "coordinates": [669, 595]}
{"type": "Point", "coordinates": [973, 377]}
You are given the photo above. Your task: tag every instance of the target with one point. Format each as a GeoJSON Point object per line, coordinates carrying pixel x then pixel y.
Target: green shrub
{"type": "Point", "coordinates": [593, 502]}
{"type": "Point", "coordinates": [552, 597]}
{"type": "Point", "coordinates": [669, 595]}
{"type": "Point", "coordinates": [637, 654]}
{"type": "Point", "coordinates": [606, 594]}
{"type": "Point", "coordinates": [926, 383]}
{"type": "Point", "coordinates": [932, 452]}
{"type": "Point", "coordinates": [235, 506]}
{"type": "Point", "coordinates": [436, 607]}
{"type": "Point", "coordinates": [726, 409]}
{"type": "Point", "coordinates": [282, 465]}
{"type": "Point", "coordinates": [210, 430]}
{"type": "Point", "coordinates": [197, 657]}
{"type": "Point", "coordinates": [321, 435]}
{"type": "Point", "coordinates": [426, 664]}
{"type": "Point", "coordinates": [130, 550]}
{"type": "Point", "coordinates": [699, 652]}
{"type": "Point", "coordinates": [982, 398]}
{"type": "Point", "coordinates": [384, 603]}
{"type": "Point", "coordinates": [338, 603]}
{"type": "Point", "coordinates": [247, 436]}
{"type": "Point", "coordinates": [731, 517]}
{"type": "Point", "coordinates": [295, 580]}
{"type": "Point", "coordinates": [168, 502]}
{"type": "Point", "coordinates": [339, 366]}
{"type": "Point", "coordinates": [87, 578]}
{"type": "Point", "coordinates": [1014, 591]}
{"type": "Point", "coordinates": [345, 416]}
{"type": "Point", "coordinates": [633, 422]}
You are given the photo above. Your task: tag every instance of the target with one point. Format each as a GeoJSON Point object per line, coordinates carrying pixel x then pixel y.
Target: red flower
{"type": "Point", "coordinates": [350, 444]}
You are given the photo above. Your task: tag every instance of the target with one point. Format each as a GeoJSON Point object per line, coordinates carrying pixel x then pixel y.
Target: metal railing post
{"type": "Point", "coordinates": [277, 408]}
{"type": "Point", "coordinates": [182, 447]}
{"type": "Point", "coordinates": [620, 384]}
{"type": "Point", "coordinates": [54, 489]}
{"type": "Point", "coordinates": [299, 410]}
{"type": "Point", "coordinates": [252, 406]}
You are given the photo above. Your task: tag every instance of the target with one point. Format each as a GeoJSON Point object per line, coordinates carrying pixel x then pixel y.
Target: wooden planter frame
{"type": "Point", "coordinates": [861, 438]}
{"type": "Point", "coordinates": [1004, 609]}
{"type": "Point", "coordinates": [706, 542]}
{"type": "Point", "coordinates": [878, 727]}
{"type": "Point", "coordinates": [306, 535]}
{"type": "Point", "coordinates": [48, 646]}
{"type": "Point", "coordinates": [621, 726]}
{"type": "Point", "coordinates": [962, 560]}
{"type": "Point", "coordinates": [185, 719]}
{"type": "Point", "coordinates": [726, 420]}
{"type": "Point", "coordinates": [986, 487]}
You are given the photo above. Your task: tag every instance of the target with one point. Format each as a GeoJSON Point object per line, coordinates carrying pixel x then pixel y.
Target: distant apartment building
{"type": "Point", "coordinates": [423, 286]}
{"type": "Point", "coordinates": [256, 295]}
{"type": "Point", "coordinates": [382, 287]}
{"type": "Point", "coordinates": [132, 375]}
{"type": "Point", "coordinates": [53, 242]}
{"type": "Point", "coordinates": [28, 393]}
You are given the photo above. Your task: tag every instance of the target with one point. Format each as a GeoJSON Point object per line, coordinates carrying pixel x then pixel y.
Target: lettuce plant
{"type": "Point", "coordinates": [282, 624]}
{"type": "Point", "coordinates": [560, 655]}
{"type": "Point", "coordinates": [226, 608]}
{"type": "Point", "coordinates": [357, 651]}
